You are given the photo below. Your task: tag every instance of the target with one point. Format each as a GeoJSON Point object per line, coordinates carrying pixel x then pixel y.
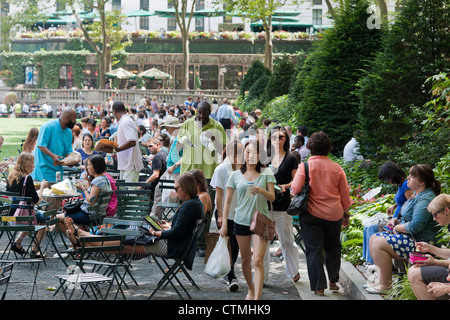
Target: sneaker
{"type": "Point", "coordinates": [234, 286]}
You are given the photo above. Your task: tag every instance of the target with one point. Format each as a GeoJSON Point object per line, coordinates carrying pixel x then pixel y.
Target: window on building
{"type": "Point", "coordinates": [233, 77]}
{"type": "Point", "coordinates": [31, 75]}
{"type": "Point", "coordinates": [144, 22]}
{"type": "Point", "coordinates": [317, 2]}
{"type": "Point", "coordinates": [90, 76]}
{"type": "Point", "coordinates": [317, 17]}
{"type": "Point", "coordinates": [179, 76]}
{"type": "Point", "coordinates": [209, 76]}
{"type": "Point", "coordinates": [65, 76]}
{"type": "Point", "coordinates": [200, 22]}
{"type": "Point", "coordinates": [5, 8]}
{"type": "Point", "coordinates": [117, 4]}
{"type": "Point", "coordinates": [171, 24]}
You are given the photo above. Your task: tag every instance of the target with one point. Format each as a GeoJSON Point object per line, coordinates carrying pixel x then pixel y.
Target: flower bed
{"type": "Point", "coordinates": [211, 35]}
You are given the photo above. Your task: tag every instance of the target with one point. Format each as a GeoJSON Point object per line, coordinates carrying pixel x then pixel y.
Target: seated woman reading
{"type": "Point", "coordinates": [173, 240]}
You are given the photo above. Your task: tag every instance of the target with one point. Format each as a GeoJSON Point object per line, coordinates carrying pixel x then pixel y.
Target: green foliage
{"type": "Point", "coordinates": [16, 62]}
{"type": "Point", "coordinates": [255, 72]}
{"type": "Point", "coordinates": [426, 139]}
{"type": "Point", "coordinates": [51, 61]}
{"type": "Point", "coordinates": [401, 289]}
{"type": "Point", "coordinates": [327, 83]}
{"type": "Point", "coordinates": [415, 47]}
{"type": "Point", "coordinates": [283, 72]}
{"type": "Point", "coordinates": [280, 109]}
{"type": "Point", "coordinates": [257, 89]}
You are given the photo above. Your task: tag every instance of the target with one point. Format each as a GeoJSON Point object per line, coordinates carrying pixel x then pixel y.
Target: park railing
{"type": "Point", "coordinates": [55, 97]}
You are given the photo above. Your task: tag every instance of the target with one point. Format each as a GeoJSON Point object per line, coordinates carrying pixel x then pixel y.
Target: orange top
{"type": "Point", "coordinates": [329, 191]}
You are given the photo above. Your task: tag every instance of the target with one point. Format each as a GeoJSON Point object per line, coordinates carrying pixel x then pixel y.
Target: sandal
{"type": "Point", "coordinates": [334, 286]}
{"type": "Point", "coordinates": [37, 255]}
{"type": "Point", "coordinates": [20, 250]}
{"type": "Point", "coordinates": [320, 292]}
{"type": "Point", "coordinates": [296, 278]}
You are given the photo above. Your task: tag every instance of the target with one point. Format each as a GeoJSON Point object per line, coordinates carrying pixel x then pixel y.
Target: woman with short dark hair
{"type": "Point", "coordinates": [328, 211]}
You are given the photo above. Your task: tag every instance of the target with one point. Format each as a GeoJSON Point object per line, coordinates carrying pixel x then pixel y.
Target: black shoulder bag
{"type": "Point", "coordinates": [299, 204]}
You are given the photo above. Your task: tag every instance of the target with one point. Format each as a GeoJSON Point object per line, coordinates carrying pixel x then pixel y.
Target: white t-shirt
{"type": "Point", "coordinates": [131, 158]}
{"type": "Point", "coordinates": [351, 151]}
{"type": "Point", "coordinates": [219, 180]}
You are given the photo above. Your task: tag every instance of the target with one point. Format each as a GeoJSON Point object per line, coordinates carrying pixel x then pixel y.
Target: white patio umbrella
{"type": "Point", "coordinates": [120, 73]}
{"type": "Point", "coordinates": [154, 73]}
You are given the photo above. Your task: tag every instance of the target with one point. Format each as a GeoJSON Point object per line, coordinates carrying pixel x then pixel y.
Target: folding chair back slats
{"type": "Point", "coordinates": [132, 203]}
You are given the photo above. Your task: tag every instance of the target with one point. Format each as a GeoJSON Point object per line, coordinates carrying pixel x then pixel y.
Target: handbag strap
{"type": "Point", "coordinates": [306, 172]}
{"type": "Point", "coordinates": [24, 186]}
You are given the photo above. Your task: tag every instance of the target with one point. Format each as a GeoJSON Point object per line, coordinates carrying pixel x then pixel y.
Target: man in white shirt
{"type": "Point", "coordinates": [129, 159]}
{"type": "Point", "coordinates": [351, 149]}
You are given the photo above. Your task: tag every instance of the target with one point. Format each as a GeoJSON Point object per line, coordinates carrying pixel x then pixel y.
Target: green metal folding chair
{"type": "Point", "coordinates": [131, 229]}
{"type": "Point", "coordinates": [87, 279]}
{"type": "Point", "coordinates": [168, 208]}
{"type": "Point", "coordinates": [133, 203]}
{"type": "Point", "coordinates": [181, 264]}
{"type": "Point", "coordinates": [298, 238]}
{"type": "Point", "coordinates": [5, 276]}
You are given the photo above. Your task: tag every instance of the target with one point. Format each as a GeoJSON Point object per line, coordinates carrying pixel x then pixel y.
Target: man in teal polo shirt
{"type": "Point", "coordinates": [54, 143]}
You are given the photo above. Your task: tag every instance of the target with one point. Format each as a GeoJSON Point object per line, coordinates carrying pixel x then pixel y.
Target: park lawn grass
{"type": "Point", "coordinates": [14, 130]}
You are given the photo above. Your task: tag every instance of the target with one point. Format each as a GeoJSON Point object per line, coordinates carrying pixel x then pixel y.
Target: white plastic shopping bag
{"type": "Point", "coordinates": [218, 264]}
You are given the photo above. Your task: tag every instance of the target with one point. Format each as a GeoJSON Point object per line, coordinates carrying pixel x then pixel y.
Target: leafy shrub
{"type": "Point", "coordinates": [283, 70]}
{"type": "Point", "coordinates": [256, 71]}
{"type": "Point", "coordinates": [415, 47]}
{"type": "Point", "coordinates": [327, 99]}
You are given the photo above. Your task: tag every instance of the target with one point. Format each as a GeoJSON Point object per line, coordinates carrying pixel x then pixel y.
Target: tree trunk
{"type": "Point", "coordinates": [186, 59]}
{"type": "Point", "coordinates": [268, 52]}
{"type": "Point", "coordinates": [382, 6]}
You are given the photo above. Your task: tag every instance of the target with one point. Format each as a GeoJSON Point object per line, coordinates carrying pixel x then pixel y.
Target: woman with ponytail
{"type": "Point", "coordinates": [414, 224]}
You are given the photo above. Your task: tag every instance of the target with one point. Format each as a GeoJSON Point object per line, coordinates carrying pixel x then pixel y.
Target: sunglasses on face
{"type": "Point", "coordinates": [176, 188]}
{"type": "Point", "coordinates": [280, 137]}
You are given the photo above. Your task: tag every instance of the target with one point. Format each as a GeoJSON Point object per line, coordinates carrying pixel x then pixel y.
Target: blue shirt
{"type": "Point", "coordinates": [225, 112]}
{"type": "Point", "coordinates": [400, 197]}
{"type": "Point", "coordinates": [59, 142]}
{"type": "Point", "coordinates": [174, 155]}
{"type": "Point", "coordinates": [417, 220]}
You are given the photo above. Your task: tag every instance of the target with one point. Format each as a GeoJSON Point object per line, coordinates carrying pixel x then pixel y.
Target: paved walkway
{"type": "Point", "coordinates": [278, 287]}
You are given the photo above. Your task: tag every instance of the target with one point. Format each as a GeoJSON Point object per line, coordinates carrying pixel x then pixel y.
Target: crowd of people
{"type": "Point", "coordinates": [229, 164]}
